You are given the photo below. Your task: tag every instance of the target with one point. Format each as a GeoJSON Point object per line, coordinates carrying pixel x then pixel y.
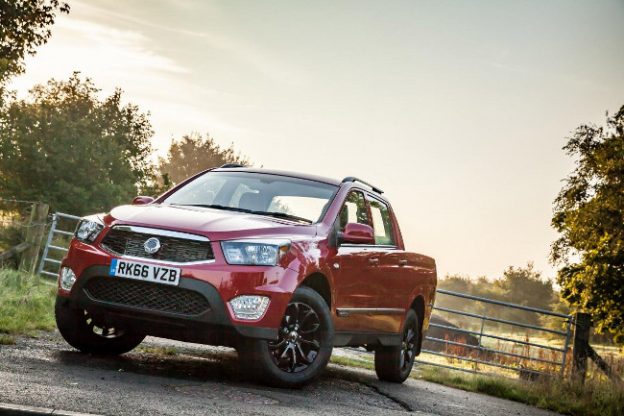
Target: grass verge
{"type": "Point", "coordinates": [595, 397]}
{"type": "Point", "coordinates": [6, 339]}
{"type": "Point", "coordinates": [27, 305]}
{"type": "Point", "coordinates": [160, 351]}
{"type": "Point", "coordinates": [350, 362]}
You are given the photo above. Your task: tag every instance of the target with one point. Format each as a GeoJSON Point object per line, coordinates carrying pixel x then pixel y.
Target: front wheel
{"type": "Point", "coordinates": [303, 348]}
{"type": "Point", "coordinates": [82, 332]}
{"type": "Point", "coordinates": [395, 363]}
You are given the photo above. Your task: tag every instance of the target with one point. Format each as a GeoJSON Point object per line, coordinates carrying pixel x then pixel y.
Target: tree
{"type": "Point", "coordinates": [192, 154]}
{"type": "Point", "coordinates": [80, 154]}
{"type": "Point", "coordinates": [24, 25]}
{"type": "Point", "coordinates": [520, 285]}
{"type": "Point", "coordinates": [589, 215]}
{"type": "Point", "coordinates": [525, 286]}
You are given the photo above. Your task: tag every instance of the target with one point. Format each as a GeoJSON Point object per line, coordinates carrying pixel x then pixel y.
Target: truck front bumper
{"type": "Point", "coordinates": [193, 311]}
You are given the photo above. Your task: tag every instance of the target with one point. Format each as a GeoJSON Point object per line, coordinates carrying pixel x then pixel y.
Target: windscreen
{"type": "Point", "coordinates": [260, 193]}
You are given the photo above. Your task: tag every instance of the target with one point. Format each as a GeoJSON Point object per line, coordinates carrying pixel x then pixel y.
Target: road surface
{"type": "Point", "coordinates": [46, 372]}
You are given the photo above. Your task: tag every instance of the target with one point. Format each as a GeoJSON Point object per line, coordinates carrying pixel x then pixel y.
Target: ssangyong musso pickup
{"type": "Point", "coordinates": [279, 265]}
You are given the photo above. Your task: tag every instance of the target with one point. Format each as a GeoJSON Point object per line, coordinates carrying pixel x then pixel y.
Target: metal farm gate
{"type": "Point", "coordinates": [513, 346]}
{"type": "Point", "coordinates": [60, 234]}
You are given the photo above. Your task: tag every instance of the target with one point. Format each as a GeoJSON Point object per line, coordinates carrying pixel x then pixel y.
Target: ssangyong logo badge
{"type": "Point", "coordinates": [151, 245]}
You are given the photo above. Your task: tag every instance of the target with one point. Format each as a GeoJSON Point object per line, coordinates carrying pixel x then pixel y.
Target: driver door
{"type": "Point", "coordinates": [355, 290]}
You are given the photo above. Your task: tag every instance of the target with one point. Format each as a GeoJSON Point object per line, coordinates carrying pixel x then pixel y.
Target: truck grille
{"type": "Point", "coordinates": [180, 250]}
{"type": "Point", "coordinates": [144, 295]}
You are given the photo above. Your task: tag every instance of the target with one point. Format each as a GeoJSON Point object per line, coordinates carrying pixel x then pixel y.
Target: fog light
{"type": "Point", "coordinates": [68, 278]}
{"type": "Point", "coordinates": [249, 307]}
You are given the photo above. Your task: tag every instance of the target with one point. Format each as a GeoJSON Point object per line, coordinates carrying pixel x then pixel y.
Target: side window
{"type": "Point", "coordinates": [354, 210]}
{"type": "Point", "coordinates": [382, 223]}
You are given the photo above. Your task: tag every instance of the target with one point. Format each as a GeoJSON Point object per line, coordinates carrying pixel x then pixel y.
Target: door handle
{"type": "Point", "coordinates": [402, 262]}
{"type": "Point", "coordinates": [373, 260]}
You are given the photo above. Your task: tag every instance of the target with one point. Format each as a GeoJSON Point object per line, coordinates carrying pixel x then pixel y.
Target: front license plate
{"type": "Point", "coordinates": [145, 272]}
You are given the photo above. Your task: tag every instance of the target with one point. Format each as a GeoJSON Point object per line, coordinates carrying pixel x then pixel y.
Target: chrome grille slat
{"type": "Point", "coordinates": [124, 242]}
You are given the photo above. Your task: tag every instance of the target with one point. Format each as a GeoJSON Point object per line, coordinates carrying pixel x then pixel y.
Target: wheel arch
{"type": "Point", "coordinates": [319, 283]}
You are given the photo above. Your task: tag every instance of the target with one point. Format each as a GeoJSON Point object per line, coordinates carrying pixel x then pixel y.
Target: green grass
{"type": "Point", "coordinates": [27, 304]}
{"type": "Point", "coordinates": [6, 339]}
{"type": "Point", "coordinates": [161, 351]}
{"type": "Point", "coordinates": [350, 362]}
{"type": "Point", "coordinates": [595, 397]}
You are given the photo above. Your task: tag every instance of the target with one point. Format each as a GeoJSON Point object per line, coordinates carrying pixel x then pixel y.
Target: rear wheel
{"type": "Point", "coordinates": [83, 332]}
{"type": "Point", "coordinates": [302, 349]}
{"type": "Point", "coordinates": [395, 363]}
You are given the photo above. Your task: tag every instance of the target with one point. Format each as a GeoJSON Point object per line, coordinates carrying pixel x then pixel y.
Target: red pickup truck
{"type": "Point", "coordinates": [279, 265]}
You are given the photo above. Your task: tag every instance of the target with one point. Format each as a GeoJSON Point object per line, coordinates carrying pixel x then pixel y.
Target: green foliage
{"type": "Point", "coordinates": [27, 303]}
{"type": "Point", "coordinates": [24, 25]}
{"type": "Point", "coordinates": [194, 153]}
{"type": "Point", "coordinates": [80, 154]}
{"type": "Point", "coordinates": [10, 236]}
{"type": "Point", "coordinates": [589, 215]}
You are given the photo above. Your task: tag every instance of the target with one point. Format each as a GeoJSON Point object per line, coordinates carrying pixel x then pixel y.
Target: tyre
{"type": "Point", "coordinates": [303, 348]}
{"type": "Point", "coordinates": [82, 332]}
{"type": "Point", "coordinates": [395, 363]}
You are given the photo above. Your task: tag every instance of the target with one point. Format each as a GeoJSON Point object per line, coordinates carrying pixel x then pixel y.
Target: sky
{"type": "Point", "coordinates": [457, 109]}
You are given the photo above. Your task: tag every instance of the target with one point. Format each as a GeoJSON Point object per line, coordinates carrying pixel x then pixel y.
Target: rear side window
{"type": "Point", "coordinates": [354, 210]}
{"type": "Point", "coordinates": [382, 223]}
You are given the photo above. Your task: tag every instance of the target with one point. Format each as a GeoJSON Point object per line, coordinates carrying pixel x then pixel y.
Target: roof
{"type": "Point", "coordinates": [290, 174]}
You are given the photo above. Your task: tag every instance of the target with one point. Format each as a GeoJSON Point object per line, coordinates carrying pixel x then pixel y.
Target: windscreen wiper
{"type": "Point", "coordinates": [251, 211]}
{"type": "Point", "coordinates": [216, 206]}
{"type": "Point", "coordinates": [282, 215]}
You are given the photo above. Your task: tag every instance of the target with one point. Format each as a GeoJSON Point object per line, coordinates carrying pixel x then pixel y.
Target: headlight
{"type": "Point", "coordinates": [250, 252]}
{"type": "Point", "coordinates": [88, 230]}
{"type": "Point", "coordinates": [249, 307]}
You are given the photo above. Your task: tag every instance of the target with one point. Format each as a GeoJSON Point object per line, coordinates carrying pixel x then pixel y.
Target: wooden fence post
{"type": "Point", "coordinates": [580, 352]}
{"type": "Point", "coordinates": [34, 236]}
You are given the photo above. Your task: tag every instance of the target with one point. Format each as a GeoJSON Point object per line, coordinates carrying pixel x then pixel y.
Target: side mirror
{"type": "Point", "coordinates": [355, 233]}
{"type": "Point", "coordinates": [142, 200]}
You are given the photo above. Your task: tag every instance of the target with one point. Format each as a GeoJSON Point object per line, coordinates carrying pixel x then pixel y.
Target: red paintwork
{"type": "Point", "coordinates": [142, 200]}
{"type": "Point", "coordinates": [358, 234]}
{"type": "Point", "coordinates": [395, 280]}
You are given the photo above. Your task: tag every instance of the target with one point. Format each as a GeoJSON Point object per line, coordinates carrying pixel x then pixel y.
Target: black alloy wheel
{"type": "Point", "coordinates": [395, 363]}
{"type": "Point", "coordinates": [83, 332]}
{"type": "Point", "coordinates": [100, 329]}
{"type": "Point", "coordinates": [299, 339]}
{"type": "Point", "coordinates": [408, 348]}
{"type": "Point", "coordinates": [302, 348]}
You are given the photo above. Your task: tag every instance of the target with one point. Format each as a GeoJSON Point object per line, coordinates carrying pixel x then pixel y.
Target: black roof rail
{"type": "Point", "coordinates": [354, 179]}
{"type": "Point", "coordinates": [231, 165]}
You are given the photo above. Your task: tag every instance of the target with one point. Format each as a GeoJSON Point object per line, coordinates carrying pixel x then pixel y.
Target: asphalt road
{"type": "Point", "coordinates": [45, 372]}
